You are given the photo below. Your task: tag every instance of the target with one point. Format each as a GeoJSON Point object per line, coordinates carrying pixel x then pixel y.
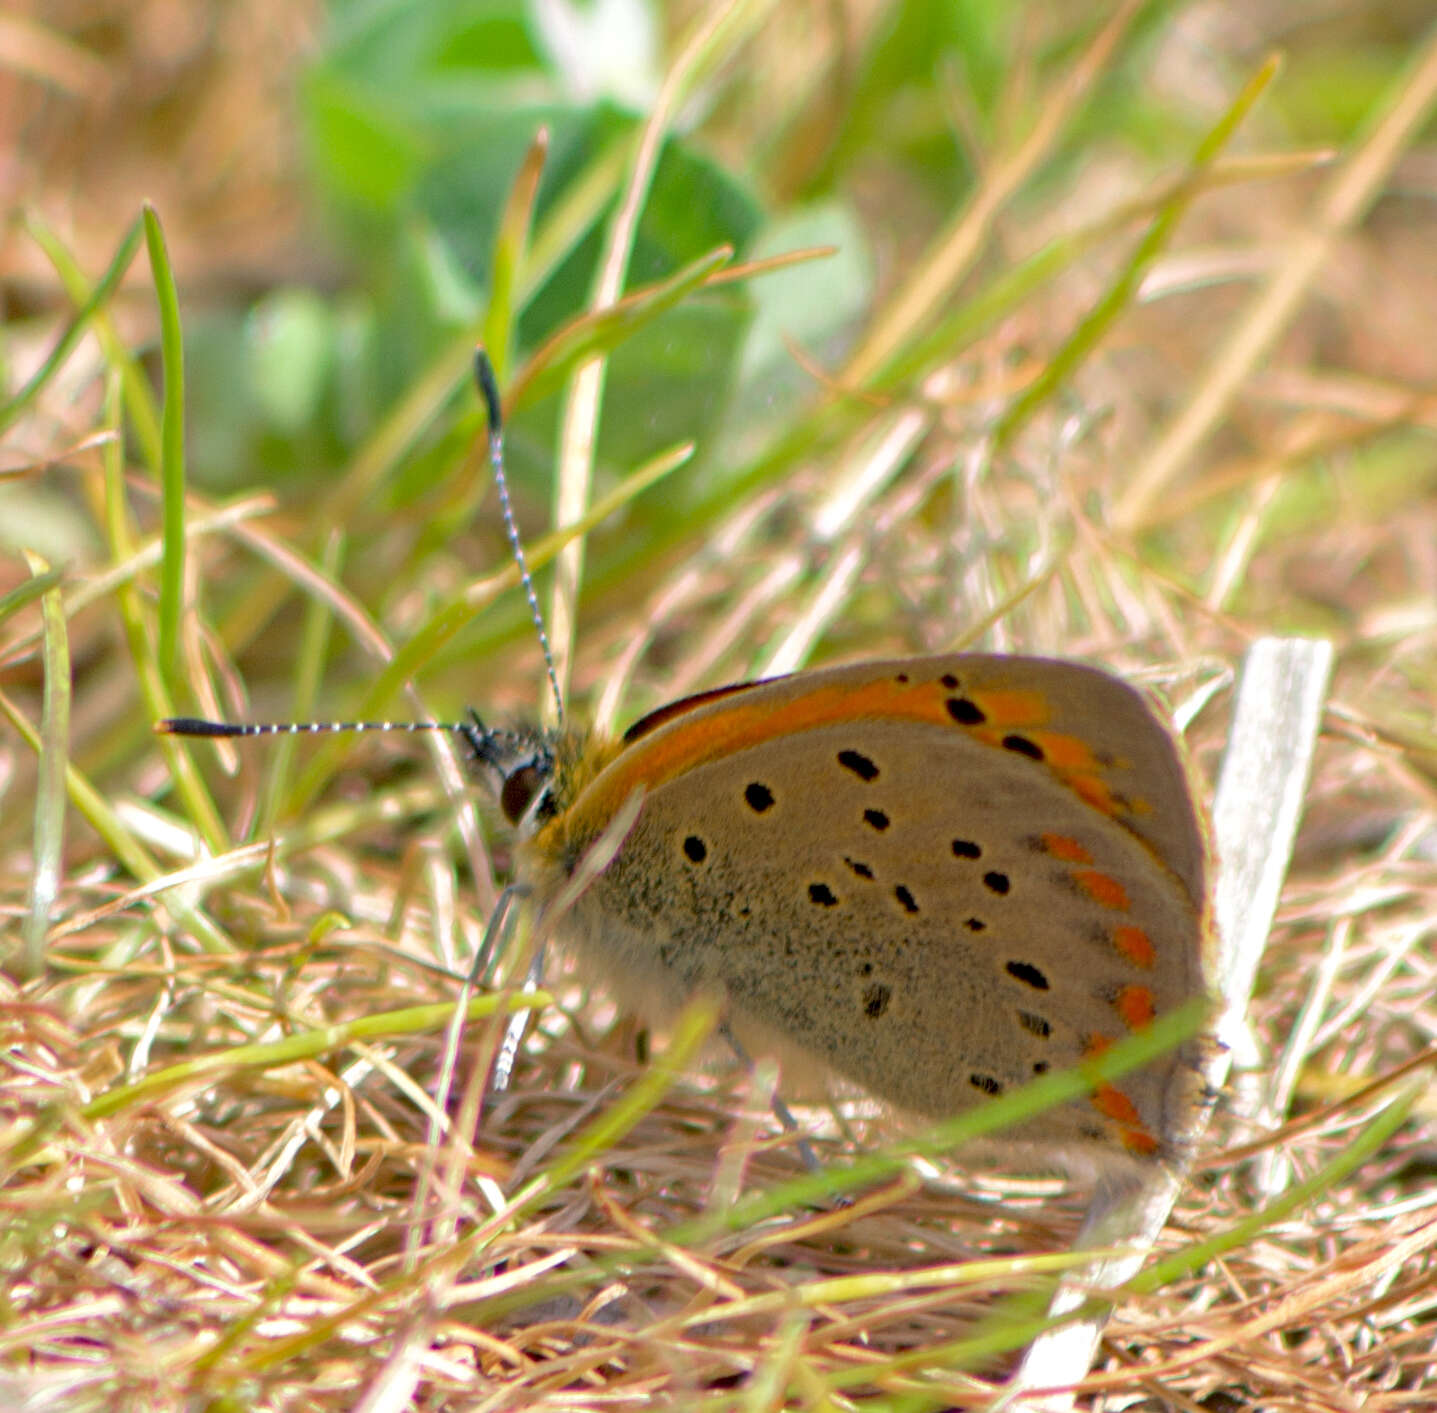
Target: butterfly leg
{"type": "Point", "coordinates": [496, 934]}
{"type": "Point", "coordinates": [514, 1031]}
{"type": "Point", "coordinates": [781, 1111]}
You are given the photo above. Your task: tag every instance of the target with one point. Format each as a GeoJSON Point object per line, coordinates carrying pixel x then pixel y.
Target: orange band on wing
{"type": "Point", "coordinates": [659, 757]}
{"type": "Point", "coordinates": [1102, 888]}
{"type": "Point", "coordinates": [1136, 1006]}
{"type": "Point", "coordinates": [1135, 945]}
{"type": "Point", "coordinates": [1060, 846]}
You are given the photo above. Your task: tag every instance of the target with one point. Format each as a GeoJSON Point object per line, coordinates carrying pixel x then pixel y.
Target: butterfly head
{"type": "Point", "coordinates": [518, 767]}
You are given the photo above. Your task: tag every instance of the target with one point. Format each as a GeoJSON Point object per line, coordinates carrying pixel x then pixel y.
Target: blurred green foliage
{"type": "Point", "coordinates": [417, 118]}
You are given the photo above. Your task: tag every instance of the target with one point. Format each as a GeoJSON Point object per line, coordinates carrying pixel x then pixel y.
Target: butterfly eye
{"type": "Point", "coordinates": [519, 789]}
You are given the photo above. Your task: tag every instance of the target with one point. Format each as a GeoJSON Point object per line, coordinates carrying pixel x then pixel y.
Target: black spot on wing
{"type": "Point", "coordinates": [965, 711]}
{"type": "Point", "coordinates": [758, 797]}
{"type": "Point", "coordinates": [861, 765]}
{"type": "Point", "coordinates": [1035, 1024]}
{"type": "Point", "coordinates": [1028, 974]}
{"type": "Point", "coordinates": [875, 999]}
{"type": "Point", "coordinates": [1022, 746]}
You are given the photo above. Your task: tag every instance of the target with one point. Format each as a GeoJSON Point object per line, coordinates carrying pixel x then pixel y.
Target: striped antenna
{"type": "Point", "coordinates": [520, 763]}
{"type": "Point", "coordinates": [483, 741]}
{"type": "Point", "coordinates": [489, 391]}
{"type": "Point", "coordinates": [200, 726]}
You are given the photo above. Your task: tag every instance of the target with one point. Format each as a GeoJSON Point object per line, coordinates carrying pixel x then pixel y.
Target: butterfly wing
{"type": "Point", "coordinates": [938, 876]}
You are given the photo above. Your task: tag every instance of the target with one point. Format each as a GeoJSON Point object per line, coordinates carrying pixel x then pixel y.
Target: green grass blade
{"type": "Point", "coordinates": [1395, 122]}
{"type": "Point", "coordinates": [949, 258]}
{"type": "Point", "coordinates": [140, 402]}
{"type": "Point", "coordinates": [25, 592]}
{"type": "Point", "coordinates": [598, 333]}
{"type": "Point", "coordinates": [306, 1045]}
{"type": "Point", "coordinates": [1089, 333]}
{"type": "Point", "coordinates": [97, 812]}
{"type": "Point", "coordinates": [511, 245]}
{"type": "Point", "coordinates": [131, 609]}
{"type": "Point", "coordinates": [48, 861]}
{"type": "Point", "coordinates": [308, 673]}
{"type": "Point", "coordinates": [76, 328]}
{"type": "Point", "coordinates": [172, 454]}
{"type": "Point", "coordinates": [1354, 1153]}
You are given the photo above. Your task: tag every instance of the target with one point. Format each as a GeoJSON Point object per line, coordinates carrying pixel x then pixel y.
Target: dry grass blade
{"type": "Point", "coordinates": [1350, 192]}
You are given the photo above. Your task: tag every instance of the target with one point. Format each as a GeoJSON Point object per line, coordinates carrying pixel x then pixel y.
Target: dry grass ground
{"type": "Point", "coordinates": [242, 1166]}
